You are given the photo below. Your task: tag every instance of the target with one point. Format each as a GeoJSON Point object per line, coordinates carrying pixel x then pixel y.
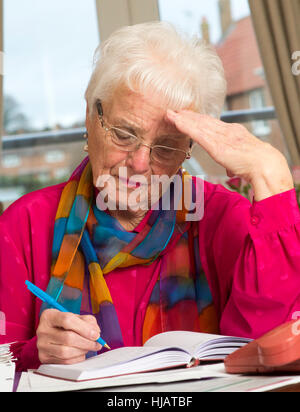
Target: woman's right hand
{"type": "Point", "coordinates": [65, 338]}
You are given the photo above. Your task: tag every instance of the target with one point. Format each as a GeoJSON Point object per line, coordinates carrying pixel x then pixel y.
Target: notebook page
{"type": "Point", "coordinates": [7, 369]}
{"type": "Point", "coordinates": [181, 339]}
{"type": "Point", "coordinates": [191, 341]}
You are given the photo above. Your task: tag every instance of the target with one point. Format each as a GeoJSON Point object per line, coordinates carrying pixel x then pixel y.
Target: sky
{"type": "Point", "coordinates": [49, 48]}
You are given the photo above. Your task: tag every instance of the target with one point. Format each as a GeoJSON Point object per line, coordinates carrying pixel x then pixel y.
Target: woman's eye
{"type": "Point", "coordinates": [123, 136]}
{"type": "Point", "coordinates": [165, 152]}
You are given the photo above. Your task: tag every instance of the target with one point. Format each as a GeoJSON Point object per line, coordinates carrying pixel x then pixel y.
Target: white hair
{"type": "Point", "coordinates": [185, 72]}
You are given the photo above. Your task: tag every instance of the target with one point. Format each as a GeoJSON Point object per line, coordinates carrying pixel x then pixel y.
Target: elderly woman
{"type": "Point", "coordinates": [139, 268]}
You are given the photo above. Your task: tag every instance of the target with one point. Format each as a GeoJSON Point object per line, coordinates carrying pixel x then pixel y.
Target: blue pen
{"type": "Point", "coordinates": [52, 302]}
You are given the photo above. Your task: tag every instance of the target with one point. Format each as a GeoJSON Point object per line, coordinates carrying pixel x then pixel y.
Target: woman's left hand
{"type": "Point", "coordinates": [232, 146]}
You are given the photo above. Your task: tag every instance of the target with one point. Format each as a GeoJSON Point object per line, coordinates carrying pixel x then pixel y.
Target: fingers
{"type": "Point", "coordinates": [65, 337]}
{"type": "Point", "coordinates": [53, 353]}
{"type": "Point", "coordinates": [201, 128]}
{"type": "Point", "coordinates": [72, 339]}
{"type": "Point", "coordinates": [229, 174]}
{"type": "Point", "coordinates": [230, 145]}
{"type": "Point", "coordinates": [69, 361]}
{"type": "Point", "coordinates": [91, 320]}
{"type": "Point", "coordinates": [82, 325]}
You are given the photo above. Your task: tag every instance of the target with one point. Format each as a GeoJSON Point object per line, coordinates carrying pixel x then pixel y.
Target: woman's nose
{"type": "Point", "coordinates": [139, 161]}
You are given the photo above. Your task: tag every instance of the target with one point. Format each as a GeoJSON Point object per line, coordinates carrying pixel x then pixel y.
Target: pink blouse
{"type": "Point", "coordinates": [250, 254]}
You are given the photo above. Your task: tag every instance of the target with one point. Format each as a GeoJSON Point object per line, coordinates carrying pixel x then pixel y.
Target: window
{"type": "Point", "coordinates": [47, 62]}
{"type": "Point", "coordinates": [11, 161]}
{"type": "Point", "coordinates": [54, 156]}
{"type": "Point", "coordinates": [260, 128]}
{"type": "Point", "coordinates": [49, 48]}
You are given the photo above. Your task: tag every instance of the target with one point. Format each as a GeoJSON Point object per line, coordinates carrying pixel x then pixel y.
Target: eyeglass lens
{"type": "Point", "coordinates": [160, 154]}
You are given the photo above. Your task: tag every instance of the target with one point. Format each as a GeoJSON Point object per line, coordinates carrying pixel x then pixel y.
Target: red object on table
{"type": "Point", "coordinates": [276, 351]}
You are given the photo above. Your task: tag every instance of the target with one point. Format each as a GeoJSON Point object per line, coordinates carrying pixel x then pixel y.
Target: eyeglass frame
{"type": "Point", "coordinates": [139, 140]}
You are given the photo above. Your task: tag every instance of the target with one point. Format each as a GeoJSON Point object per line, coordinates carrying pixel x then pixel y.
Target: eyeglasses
{"type": "Point", "coordinates": [164, 155]}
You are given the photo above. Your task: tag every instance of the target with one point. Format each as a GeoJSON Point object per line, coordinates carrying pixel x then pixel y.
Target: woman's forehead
{"type": "Point", "coordinates": [124, 99]}
{"type": "Point", "coordinates": [138, 110]}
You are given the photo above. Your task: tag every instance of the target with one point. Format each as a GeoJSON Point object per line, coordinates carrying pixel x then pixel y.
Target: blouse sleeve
{"type": "Point", "coordinates": [254, 263]}
{"type": "Point", "coordinates": [26, 229]}
{"type": "Point", "coordinates": [16, 304]}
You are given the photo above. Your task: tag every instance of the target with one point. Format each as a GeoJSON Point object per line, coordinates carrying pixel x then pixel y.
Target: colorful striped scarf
{"type": "Point", "coordinates": [89, 243]}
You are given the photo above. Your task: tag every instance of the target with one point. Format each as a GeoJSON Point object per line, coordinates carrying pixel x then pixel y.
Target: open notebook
{"type": "Point", "coordinates": [162, 351]}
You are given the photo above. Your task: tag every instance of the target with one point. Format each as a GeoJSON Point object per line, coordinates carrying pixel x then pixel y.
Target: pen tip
{"type": "Point", "coordinates": [106, 346]}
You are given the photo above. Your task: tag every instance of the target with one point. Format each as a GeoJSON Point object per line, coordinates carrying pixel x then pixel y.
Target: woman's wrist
{"type": "Point", "coordinates": [268, 182]}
